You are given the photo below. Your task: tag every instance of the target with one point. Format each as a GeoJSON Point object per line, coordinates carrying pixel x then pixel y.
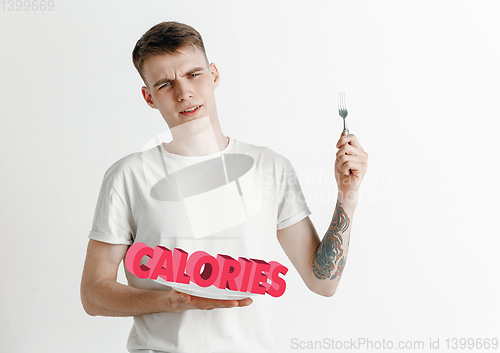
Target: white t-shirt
{"type": "Point", "coordinates": [230, 203]}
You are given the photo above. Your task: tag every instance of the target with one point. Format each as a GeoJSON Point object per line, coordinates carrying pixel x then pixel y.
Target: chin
{"type": "Point", "coordinates": [193, 125]}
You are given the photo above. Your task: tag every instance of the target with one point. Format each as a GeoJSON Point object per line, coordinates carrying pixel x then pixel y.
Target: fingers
{"type": "Point", "coordinates": [245, 302]}
{"type": "Point", "coordinates": [351, 160]}
{"type": "Point", "coordinates": [349, 139]}
{"type": "Point", "coordinates": [351, 156]}
{"type": "Point", "coordinates": [208, 304]}
{"type": "Point", "coordinates": [352, 151]}
{"type": "Point", "coordinates": [184, 302]}
{"type": "Point", "coordinates": [358, 165]}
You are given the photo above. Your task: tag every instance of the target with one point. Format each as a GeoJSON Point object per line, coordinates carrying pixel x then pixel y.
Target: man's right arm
{"type": "Point", "coordinates": [102, 295]}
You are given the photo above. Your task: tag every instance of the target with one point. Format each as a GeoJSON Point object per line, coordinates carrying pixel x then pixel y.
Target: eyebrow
{"type": "Point", "coordinates": [168, 80]}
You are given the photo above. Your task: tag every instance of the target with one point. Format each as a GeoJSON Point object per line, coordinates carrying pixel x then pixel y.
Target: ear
{"type": "Point", "coordinates": [215, 74]}
{"type": "Point", "coordinates": [148, 97]}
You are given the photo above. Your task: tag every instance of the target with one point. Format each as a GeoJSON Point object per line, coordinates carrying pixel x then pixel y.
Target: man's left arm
{"type": "Point", "coordinates": [320, 262]}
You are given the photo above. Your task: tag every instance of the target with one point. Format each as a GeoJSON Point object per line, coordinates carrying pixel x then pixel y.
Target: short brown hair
{"type": "Point", "coordinates": [165, 38]}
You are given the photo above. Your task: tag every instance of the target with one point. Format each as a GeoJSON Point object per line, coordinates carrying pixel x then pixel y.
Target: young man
{"type": "Point", "coordinates": [137, 203]}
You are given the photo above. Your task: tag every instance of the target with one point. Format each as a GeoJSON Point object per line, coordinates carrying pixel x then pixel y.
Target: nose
{"type": "Point", "coordinates": [183, 91]}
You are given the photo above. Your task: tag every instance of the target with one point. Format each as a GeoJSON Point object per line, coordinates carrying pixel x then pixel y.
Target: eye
{"type": "Point", "coordinates": [165, 85]}
{"type": "Point", "coordinates": [193, 75]}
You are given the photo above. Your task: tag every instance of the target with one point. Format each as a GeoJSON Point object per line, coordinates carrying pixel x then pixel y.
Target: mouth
{"type": "Point", "coordinates": [191, 110]}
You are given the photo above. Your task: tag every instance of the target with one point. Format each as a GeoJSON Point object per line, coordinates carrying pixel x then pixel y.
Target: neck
{"type": "Point", "coordinates": [199, 137]}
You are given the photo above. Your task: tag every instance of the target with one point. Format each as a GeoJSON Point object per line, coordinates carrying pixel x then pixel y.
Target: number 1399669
{"type": "Point", "coordinates": [471, 343]}
{"type": "Point", "coordinates": [27, 5]}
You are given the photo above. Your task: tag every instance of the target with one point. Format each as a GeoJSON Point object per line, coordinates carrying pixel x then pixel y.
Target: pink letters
{"type": "Point", "coordinates": [224, 272]}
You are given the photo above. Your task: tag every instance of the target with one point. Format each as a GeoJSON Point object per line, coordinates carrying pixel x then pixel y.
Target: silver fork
{"type": "Point", "coordinates": [343, 111]}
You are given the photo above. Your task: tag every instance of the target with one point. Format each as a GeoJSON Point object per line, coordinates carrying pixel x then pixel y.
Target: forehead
{"type": "Point", "coordinates": [160, 66]}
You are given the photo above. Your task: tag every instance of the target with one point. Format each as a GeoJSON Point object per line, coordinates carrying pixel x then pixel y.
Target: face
{"type": "Point", "coordinates": [181, 86]}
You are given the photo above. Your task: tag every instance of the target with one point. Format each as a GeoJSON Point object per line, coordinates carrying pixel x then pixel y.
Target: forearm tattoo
{"type": "Point", "coordinates": [330, 255]}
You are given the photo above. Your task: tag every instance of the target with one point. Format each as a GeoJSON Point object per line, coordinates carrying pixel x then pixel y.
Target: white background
{"type": "Point", "coordinates": [421, 80]}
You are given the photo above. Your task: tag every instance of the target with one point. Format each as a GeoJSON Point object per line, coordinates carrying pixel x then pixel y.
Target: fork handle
{"type": "Point", "coordinates": [344, 133]}
{"type": "Point", "coordinates": [346, 130]}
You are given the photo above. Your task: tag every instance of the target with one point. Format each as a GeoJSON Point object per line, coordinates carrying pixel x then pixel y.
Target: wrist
{"type": "Point", "coordinates": [349, 198]}
{"type": "Point", "coordinates": [169, 302]}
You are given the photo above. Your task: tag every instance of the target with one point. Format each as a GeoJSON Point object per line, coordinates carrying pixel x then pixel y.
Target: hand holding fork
{"type": "Point", "coordinates": [352, 163]}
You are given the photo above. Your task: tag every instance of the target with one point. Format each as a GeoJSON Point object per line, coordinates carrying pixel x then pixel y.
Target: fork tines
{"type": "Point", "coordinates": [343, 111]}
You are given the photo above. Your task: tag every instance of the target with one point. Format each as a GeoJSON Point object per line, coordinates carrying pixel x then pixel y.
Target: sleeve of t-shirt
{"type": "Point", "coordinates": [113, 222]}
{"type": "Point", "coordinates": [292, 205]}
